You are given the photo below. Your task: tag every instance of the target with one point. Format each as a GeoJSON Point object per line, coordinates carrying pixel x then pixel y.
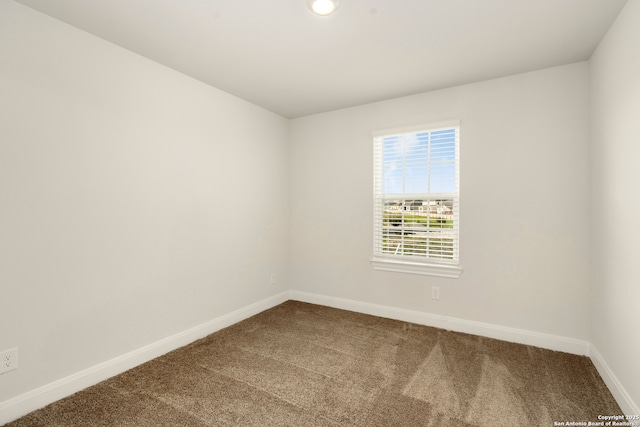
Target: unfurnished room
{"type": "Point", "coordinates": [319, 213]}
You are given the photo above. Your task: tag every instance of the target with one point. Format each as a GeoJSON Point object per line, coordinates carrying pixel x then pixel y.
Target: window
{"type": "Point", "coordinates": [416, 200]}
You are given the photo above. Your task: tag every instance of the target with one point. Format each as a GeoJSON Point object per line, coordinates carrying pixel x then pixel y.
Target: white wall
{"type": "Point", "coordinates": [135, 202]}
{"type": "Point", "coordinates": [615, 159]}
{"type": "Point", "coordinates": [524, 203]}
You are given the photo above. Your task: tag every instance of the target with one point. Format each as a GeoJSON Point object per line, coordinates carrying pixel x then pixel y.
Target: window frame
{"type": "Point", "coordinates": [407, 263]}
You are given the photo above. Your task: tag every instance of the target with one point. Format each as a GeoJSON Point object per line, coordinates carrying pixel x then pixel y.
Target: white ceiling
{"type": "Point", "coordinates": [277, 54]}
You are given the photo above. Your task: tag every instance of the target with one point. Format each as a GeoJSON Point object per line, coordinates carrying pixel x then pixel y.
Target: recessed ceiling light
{"type": "Point", "coordinates": [323, 7]}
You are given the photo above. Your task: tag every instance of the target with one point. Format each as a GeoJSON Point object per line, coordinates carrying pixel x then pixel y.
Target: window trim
{"type": "Point", "coordinates": [412, 265]}
{"type": "Point", "coordinates": [452, 271]}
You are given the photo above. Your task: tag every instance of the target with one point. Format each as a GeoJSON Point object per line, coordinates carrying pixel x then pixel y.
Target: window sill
{"type": "Point", "coordinates": [439, 270]}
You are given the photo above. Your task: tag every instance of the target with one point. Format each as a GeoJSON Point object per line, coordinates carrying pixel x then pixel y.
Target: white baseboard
{"type": "Point", "coordinates": [520, 336]}
{"type": "Point", "coordinates": [21, 405]}
{"type": "Point", "coordinates": [628, 406]}
{"type": "Point", "coordinates": [42, 396]}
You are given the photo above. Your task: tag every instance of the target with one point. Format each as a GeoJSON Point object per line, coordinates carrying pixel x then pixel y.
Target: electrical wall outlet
{"type": "Point", "coordinates": [435, 292]}
{"type": "Point", "coordinates": [272, 279]}
{"type": "Point", "coordinates": [8, 360]}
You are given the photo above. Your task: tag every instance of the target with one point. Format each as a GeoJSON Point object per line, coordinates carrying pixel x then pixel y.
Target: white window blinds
{"type": "Point", "coordinates": [416, 195]}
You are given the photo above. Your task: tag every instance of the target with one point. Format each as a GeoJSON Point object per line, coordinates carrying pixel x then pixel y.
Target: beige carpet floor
{"type": "Point", "coordinates": [300, 364]}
